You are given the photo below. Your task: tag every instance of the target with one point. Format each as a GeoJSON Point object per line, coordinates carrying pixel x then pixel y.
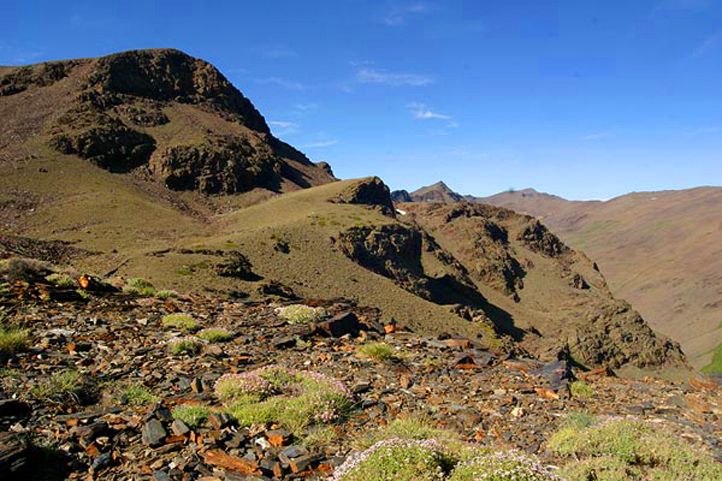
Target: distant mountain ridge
{"type": "Point", "coordinates": [438, 192]}
{"type": "Point", "coordinates": [658, 250]}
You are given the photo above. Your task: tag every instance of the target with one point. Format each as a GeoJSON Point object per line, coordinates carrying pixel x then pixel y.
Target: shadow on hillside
{"type": "Point", "coordinates": [504, 322]}
{"type": "Point", "coordinates": [447, 290]}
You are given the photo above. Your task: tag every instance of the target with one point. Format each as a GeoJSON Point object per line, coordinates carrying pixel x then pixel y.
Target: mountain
{"type": "Point", "coordinates": [659, 250]}
{"type": "Point", "coordinates": [150, 165]}
{"type": "Point", "coordinates": [438, 192]}
{"type": "Point", "coordinates": [162, 113]}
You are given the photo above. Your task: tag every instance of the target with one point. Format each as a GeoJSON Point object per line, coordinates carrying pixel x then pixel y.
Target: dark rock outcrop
{"type": "Point", "coordinates": [219, 165]}
{"type": "Point", "coordinates": [399, 196]}
{"type": "Point", "coordinates": [171, 75]}
{"type": "Point", "coordinates": [371, 192]}
{"type": "Point", "coordinates": [34, 76]}
{"type": "Point", "coordinates": [538, 238]}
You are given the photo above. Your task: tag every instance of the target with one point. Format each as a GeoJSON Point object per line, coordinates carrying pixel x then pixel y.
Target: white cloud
{"type": "Point", "coordinates": [281, 82]}
{"type": "Point", "coordinates": [598, 135]}
{"type": "Point", "coordinates": [398, 16]}
{"type": "Point", "coordinates": [422, 112]}
{"type": "Point", "coordinates": [281, 128]}
{"type": "Point", "coordinates": [368, 75]}
{"type": "Point", "coordinates": [324, 143]}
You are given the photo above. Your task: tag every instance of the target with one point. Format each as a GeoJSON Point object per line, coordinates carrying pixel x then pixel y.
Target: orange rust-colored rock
{"type": "Point", "coordinates": [218, 458]}
{"type": "Point", "coordinates": [545, 393]}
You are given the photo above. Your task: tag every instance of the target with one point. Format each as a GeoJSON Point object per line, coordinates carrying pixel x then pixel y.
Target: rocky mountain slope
{"type": "Point", "coordinates": [100, 389]}
{"type": "Point", "coordinates": [170, 116]}
{"type": "Point", "coordinates": [657, 250]}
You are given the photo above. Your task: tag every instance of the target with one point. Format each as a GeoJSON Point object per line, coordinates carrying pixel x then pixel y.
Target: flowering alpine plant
{"type": "Point", "coordinates": [231, 386]}
{"type": "Point", "coordinates": [397, 459]}
{"type": "Point", "coordinates": [285, 395]}
{"type": "Point", "coordinates": [502, 466]}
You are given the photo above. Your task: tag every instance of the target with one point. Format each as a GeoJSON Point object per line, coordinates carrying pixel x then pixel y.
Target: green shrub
{"type": "Point", "coordinates": [61, 280]}
{"type": "Point", "coordinates": [639, 447]}
{"type": "Point", "coordinates": [192, 415]}
{"type": "Point", "coordinates": [138, 395]}
{"type": "Point", "coordinates": [184, 345]}
{"type": "Point", "coordinates": [166, 294]}
{"type": "Point", "coordinates": [600, 469]}
{"type": "Point", "coordinates": [179, 321]}
{"type": "Point", "coordinates": [379, 351]}
{"type": "Point", "coordinates": [320, 436]}
{"type": "Point", "coordinates": [139, 287]}
{"type": "Point", "coordinates": [13, 340]}
{"type": "Point", "coordinates": [215, 334]}
{"type": "Point", "coordinates": [67, 387]}
{"type": "Point", "coordinates": [300, 314]}
{"type": "Point", "coordinates": [581, 389]}
{"type": "Point", "coordinates": [254, 413]}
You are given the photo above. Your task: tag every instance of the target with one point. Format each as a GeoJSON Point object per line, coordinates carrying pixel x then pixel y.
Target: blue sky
{"type": "Point", "coordinates": [581, 99]}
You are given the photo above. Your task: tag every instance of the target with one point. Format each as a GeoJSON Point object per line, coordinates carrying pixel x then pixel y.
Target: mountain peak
{"type": "Point", "coordinates": [438, 192]}
{"type": "Point", "coordinates": [162, 111]}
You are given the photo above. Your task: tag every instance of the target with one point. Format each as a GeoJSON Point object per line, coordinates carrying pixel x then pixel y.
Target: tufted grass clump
{"type": "Point", "coordinates": [400, 460]}
{"type": "Point", "coordinates": [62, 281]}
{"type": "Point", "coordinates": [138, 395]}
{"type": "Point", "coordinates": [66, 387]}
{"type": "Point", "coordinates": [378, 351]}
{"type": "Point", "coordinates": [632, 446]}
{"type": "Point", "coordinates": [215, 334]}
{"type": "Point", "coordinates": [191, 415]}
{"type": "Point", "coordinates": [13, 339]}
{"type": "Point", "coordinates": [300, 314]}
{"type": "Point", "coordinates": [581, 389]}
{"type": "Point", "coordinates": [179, 321]}
{"type": "Point", "coordinates": [166, 294]}
{"type": "Point", "coordinates": [184, 345]}
{"type": "Point", "coordinates": [501, 466]}
{"type": "Point", "coordinates": [139, 287]}
{"type": "Point", "coordinates": [413, 427]}
{"type": "Point", "coordinates": [292, 398]}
